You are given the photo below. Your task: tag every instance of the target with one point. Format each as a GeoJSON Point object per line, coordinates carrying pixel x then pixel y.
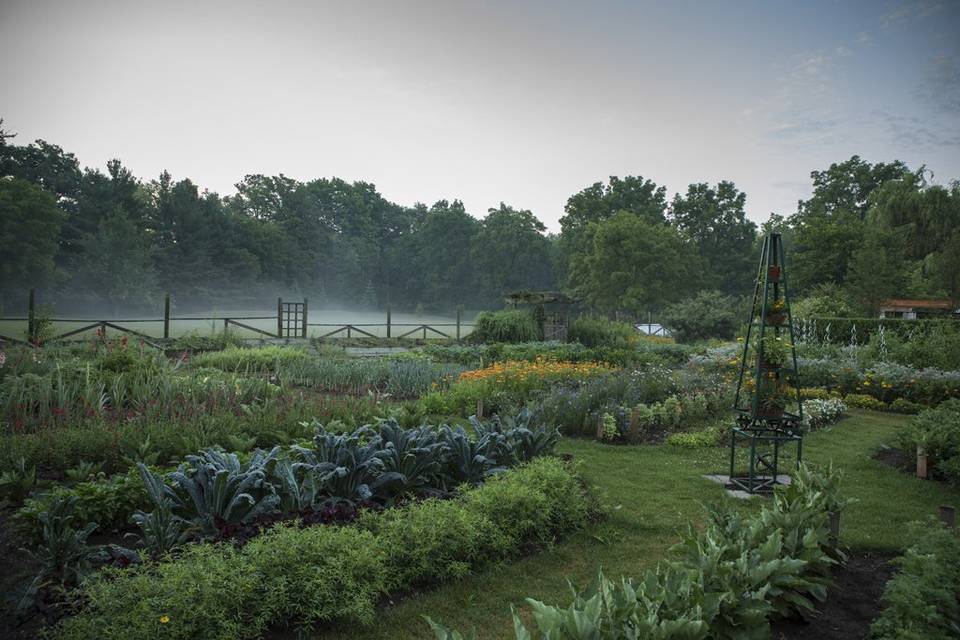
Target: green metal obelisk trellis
{"type": "Point", "coordinates": [767, 403]}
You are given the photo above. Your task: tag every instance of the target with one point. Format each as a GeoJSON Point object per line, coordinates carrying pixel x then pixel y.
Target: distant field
{"type": "Point", "coordinates": [402, 322]}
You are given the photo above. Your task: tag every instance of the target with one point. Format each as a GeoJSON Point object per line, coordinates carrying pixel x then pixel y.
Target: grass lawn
{"type": "Point", "coordinates": [654, 493]}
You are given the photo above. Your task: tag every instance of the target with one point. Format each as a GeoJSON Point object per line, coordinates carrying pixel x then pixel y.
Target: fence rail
{"type": "Point", "coordinates": [282, 321]}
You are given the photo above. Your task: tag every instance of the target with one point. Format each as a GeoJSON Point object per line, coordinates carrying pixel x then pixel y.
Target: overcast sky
{"type": "Point", "coordinates": [521, 102]}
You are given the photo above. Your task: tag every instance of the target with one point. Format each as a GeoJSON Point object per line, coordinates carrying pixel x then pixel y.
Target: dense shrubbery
{"type": "Point", "coordinates": [509, 325]}
{"type": "Point", "coordinates": [709, 314]}
{"type": "Point", "coordinates": [921, 600]}
{"type": "Point", "coordinates": [295, 576]}
{"type": "Point", "coordinates": [937, 432]}
{"type": "Point", "coordinates": [602, 332]}
{"type": "Point", "coordinates": [731, 579]}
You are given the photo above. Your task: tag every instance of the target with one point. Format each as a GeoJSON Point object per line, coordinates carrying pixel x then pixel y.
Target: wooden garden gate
{"type": "Point", "coordinates": [291, 319]}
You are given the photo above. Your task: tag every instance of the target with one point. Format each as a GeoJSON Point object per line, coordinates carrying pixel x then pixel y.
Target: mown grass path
{"type": "Point", "coordinates": [654, 493]}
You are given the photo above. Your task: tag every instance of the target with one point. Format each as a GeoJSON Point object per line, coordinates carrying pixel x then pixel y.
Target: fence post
{"type": "Point", "coordinates": [424, 332]}
{"type": "Point", "coordinates": [279, 317]}
{"type": "Point", "coordinates": [388, 321]}
{"type": "Point", "coordinates": [31, 316]}
{"type": "Point", "coordinates": [226, 323]}
{"type": "Point", "coordinates": [304, 317]}
{"type": "Point", "coordinates": [459, 310]}
{"type": "Point", "coordinates": [166, 316]}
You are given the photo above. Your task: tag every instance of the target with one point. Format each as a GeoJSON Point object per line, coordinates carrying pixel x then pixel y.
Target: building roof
{"type": "Point", "coordinates": [911, 303]}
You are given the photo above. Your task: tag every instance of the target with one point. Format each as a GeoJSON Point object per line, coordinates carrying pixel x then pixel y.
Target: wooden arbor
{"type": "Point", "coordinates": [550, 308]}
{"type": "Point", "coordinates": [767, 403]}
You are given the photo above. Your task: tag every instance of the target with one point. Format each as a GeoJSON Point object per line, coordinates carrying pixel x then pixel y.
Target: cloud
{"type": "Point", "coordinates": [913, 132]}
{"type": "Point", "coordinates": [942, 85]}
{"type": "Point", "coordinates": [920, 9]}
{"type": "Point", "coordinates": [864, 38]}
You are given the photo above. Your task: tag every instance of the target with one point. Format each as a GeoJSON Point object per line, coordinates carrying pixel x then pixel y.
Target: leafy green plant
{"type": "Point", "coordinates": [17, 482]}
{"type": "Point", "coordinates": [602, 332]}
{"type": "Point", "coordinates": [161, 530]}
{"type": "Point", "coordinates": [221, 490]}
{"type": "Point", "coordinates": [84, 472]}
{"type": "Point", "coordinates": [63, 553]}
{"type": "Point", "coordinates": [920, 601]}
{"type": "Point", "coordinates": [509, 325]}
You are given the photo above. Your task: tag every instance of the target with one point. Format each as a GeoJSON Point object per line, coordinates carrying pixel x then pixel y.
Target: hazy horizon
{"type": "Point", "coordinates": [525, 103]}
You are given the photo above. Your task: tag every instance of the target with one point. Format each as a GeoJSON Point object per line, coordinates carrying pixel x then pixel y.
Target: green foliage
{"type": "Point", "coordinates": [730, 580]}
{"type": "Point", "coordinates": [17, 482]}
{"type": "Point", "coordinates": [65, 558]}
{"type": "Point", "coordinates": [298, 576]}
{"type": "Point", "coordinates": [714, 220]}
{"type": "Point", "coordinates": [222, 490]}
{"type": "Point", "coordinates": [708, 314]}
{"type": "Point", "coordinates": [825, 300]}
{"type": "Point", "coordinates": [629, 263]}
{"type": "Point", "coordinates": [602, 332]}
{"type": "Point", "coordinates": [937, 432]}
{"type": "Point", "coordinates": [509, 325]}
{"type": "Point", "coordinates": [108, 502]}
{"type": "Point", "coordinates": [29, 230]}
{"type": "Point", "coordinates": [863, 401]}
{"type": "Point", "coordinates": [263, 359]}
{"type": "Point", "coordinates": [845, 331]}
{"type": "Point", "coordinates": [920, 601]}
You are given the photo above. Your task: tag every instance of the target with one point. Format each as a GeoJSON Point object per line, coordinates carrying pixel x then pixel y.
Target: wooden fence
{"type": "Point", "coordinates": [291, 320]}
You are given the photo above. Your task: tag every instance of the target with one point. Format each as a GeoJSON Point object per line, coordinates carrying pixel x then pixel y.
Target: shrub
{"type": "Point", "coordinates": [818, 414]}
{"type": "Point", "coordinates": [813, 393]}
{"type": "Point", "coordinates": [862, 401]}
{"type": "Point", "coordinates": [921, 599]}
{"type": "Point", "coordinates": [937, 431]}
{"type": "Point", "coordinates": [509, 325]}
{"type": "Point", "coordinates": [902, 405]}
{"type": "Point", "coordinates": [601, 332]}
{"type": "Point", "coordinates": [709, 437]}
{"type": "Point", "coordinates": [709, 314]}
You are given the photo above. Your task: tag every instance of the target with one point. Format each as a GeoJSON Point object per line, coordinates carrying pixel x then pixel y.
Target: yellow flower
{"type": "Point", "coordinates": [164, 619]}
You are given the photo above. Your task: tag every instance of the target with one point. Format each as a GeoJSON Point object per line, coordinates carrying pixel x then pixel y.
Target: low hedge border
{"type": "Point", "coordinates": [301, 576]}
{"type": "Point", "coordinates": [923, 599]}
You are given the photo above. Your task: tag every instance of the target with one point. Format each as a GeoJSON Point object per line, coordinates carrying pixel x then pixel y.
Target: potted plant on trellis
{"type": "Point", "coordinates": [767, 403]}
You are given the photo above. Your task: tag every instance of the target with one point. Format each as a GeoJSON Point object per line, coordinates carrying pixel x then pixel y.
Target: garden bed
{"type": "Point", "coordinates": [853, 602]}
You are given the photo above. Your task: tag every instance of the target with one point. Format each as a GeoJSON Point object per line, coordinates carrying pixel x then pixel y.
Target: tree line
{"type": "Point", "coordinates": [107, 237]}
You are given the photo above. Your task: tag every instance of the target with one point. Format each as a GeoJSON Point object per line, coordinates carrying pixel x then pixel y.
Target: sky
{"type": "Point", "coordinates": [522, 102]}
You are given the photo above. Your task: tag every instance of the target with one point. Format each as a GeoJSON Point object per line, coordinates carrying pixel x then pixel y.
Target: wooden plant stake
{"type": "Point", "coordinates": [479, 409]}
{"type": "Point", "coordinates": [921, 462]}
{"type": "Point", "coordinates": [835, 527]}
{"type": "Point", "coordinates": [948, 515]}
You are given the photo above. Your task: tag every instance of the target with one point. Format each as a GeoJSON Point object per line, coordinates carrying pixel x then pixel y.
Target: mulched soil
{"type": "Point", "coordinates": [897, 458]}
{"type": "Point", "coordinates": [853, 602]}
